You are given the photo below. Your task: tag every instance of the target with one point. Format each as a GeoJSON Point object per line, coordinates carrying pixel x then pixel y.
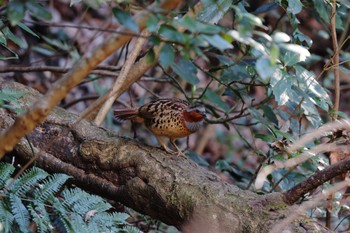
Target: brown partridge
{"type": "Point", "coordinates": [168, 117]}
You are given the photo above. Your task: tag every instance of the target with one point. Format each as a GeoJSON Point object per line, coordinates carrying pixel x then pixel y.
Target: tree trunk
{"type": "Point", "coordinates": [172, 189]}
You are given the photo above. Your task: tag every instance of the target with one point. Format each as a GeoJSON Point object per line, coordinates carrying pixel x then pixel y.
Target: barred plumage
{"type": "Point", "coordinates": [167, 117]}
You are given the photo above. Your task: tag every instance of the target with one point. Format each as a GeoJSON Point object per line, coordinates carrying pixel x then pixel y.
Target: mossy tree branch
{"type": "Point", "coordinates": [174, 190]}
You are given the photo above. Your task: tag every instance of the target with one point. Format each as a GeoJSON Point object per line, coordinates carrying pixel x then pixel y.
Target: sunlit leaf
{"type": "Point", "coordinates": [281, 88]}
{"type": "Point", "coordinates": [198, 27]}
{"type": "Point", "coordinates": [280, 37]}
{"type": "Point", "coordinates": [294, 6]}
{"type": "Point", "coordinates": [214, 10]}
{"type": "Point", "coordinates": [264, 68]}
{"type": "Point", "coordinates": [218, 42]}
{"type": "Point", "coordinates": [302, 51]}
{"type": "Point", "coordinates": [318, 94]}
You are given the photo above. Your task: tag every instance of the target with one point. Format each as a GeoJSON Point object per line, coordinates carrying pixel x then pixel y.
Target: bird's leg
{"type": "Point", "coordinates": [161, 142]}
{"type": "Point", "coordinates": [179, 152]}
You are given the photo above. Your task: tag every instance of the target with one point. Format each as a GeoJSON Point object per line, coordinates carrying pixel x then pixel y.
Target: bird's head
{"type": "Point", "coordinates": [195, 114]}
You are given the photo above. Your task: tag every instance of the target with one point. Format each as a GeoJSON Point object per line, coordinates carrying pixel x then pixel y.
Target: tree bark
{"type": "Point", "coordinates": [172, 189]}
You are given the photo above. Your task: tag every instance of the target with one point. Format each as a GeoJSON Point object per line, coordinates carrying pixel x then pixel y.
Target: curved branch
{"type": "Point", "coordinates": [320, 177]}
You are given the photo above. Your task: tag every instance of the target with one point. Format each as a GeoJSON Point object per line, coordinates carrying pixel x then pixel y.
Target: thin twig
{"type": "Point", "coordinates": [121, 79]}
{"type": "Point", "coordinates": [335, 59]}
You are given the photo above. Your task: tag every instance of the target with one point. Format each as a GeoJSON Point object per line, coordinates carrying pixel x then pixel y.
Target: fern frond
{"type": "Point", "coordinates": [6, 170]}
{"type": "Point", "coordinates": [74, 223]}
{"type": "Point", "coordinates": [109, 220]}
{"type": "Point", "coordinates": [82, 202]}
{"type": "Point", "coordinates": [10, 94]}
{"type": "Point", "coordinates": [130, 229]}
{"type": "Point", "coordinates": [27, 181]}
{"type": "Point", "coordinates": [50, 186]}
{"type": "Point", "coordinates": [8, 99]}
{"type": "Point", "coordinates": [6, 218]}
{"type": "Point", "coordinates": [40, 217]}
{"type": "Point", "coordinates": [20, 212]}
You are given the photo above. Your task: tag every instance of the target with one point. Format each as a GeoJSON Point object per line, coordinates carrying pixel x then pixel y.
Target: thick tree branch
{"type": "Point", "coordinates": [173, 189]}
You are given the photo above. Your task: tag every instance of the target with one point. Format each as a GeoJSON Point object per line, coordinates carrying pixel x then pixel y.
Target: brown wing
{"type": "Point", "coordinates": [162, 107]}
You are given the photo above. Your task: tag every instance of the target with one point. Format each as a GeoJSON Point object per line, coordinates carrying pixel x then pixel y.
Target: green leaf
{"type": "Point", "coordinates": [269, 114]}
{"type": "Point", "coordinates": [186, 70]}
{"type": "Point", "coordinates": [290, 58]}
{"type": "Point", "coordinates": [14, 38]}
{"type": "Point", "coordinates": [300, 50]}
{"type": "Point", "coordinates": [38, 10]}
{"type": "Point", "coordinates": [281, 88]}
{"type": "Point", "coordinates": [124, 18]}
{"type": "Point", "coordinates": [152, 23]}
{"type": "Point", "coordinates": [16, 11]}
{"type": "Point", "coordinates": [274, 54]}
{"type": "Point", "coordinates": [318, 95]}
{"type": "Point", "coordinates": [298, 95]}
{"type": "Point", "coordinates": [166, 55]}
{"type": "Point", "coordinates": [265, 138]}
{"type": "Point", "coordinates": [150, 56]}
{"type": "Point", "coordinates": [266, 8]}
{"type": "Point", "coordinates": [264, 68]}
{"type": "Point", "coordinates": [323, 8]}
{"type": "Point", "coordinates": [198, 27]}
{"type": "Point", "coordinates": [214, 10]}
{"type": "Point", "coordinates": [218, 42]}
{"type": "Point", "coordinates": [172, 34]}
{"type": "Point", "coordinates": [301, 38]}
{"type": "Point", "coordinates": [216, 100]}
{"type": "Point", "coordinates": [257, 115]}
{"type": "Point", "coordinates": [27, 29]}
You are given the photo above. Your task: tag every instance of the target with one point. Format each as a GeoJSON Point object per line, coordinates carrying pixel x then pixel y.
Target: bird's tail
{"type": "Point", "coordinates": [127, 114]}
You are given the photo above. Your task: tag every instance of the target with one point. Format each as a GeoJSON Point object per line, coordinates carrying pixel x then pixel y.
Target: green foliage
{"type": "Point", "coordinates": [125, 19]}
{"type": "Point", "coordinates": [35, 197]}
{"type": "Point", "coordinates": [12, 19]}
{"type": "Point", "coordinates": [8, 99]}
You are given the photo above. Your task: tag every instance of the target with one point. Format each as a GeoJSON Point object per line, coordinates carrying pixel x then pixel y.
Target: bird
{"type": "Point", "coordinates": [166, 117]}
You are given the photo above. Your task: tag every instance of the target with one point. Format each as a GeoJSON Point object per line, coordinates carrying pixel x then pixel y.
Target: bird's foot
{"type": "Point", "coordinates": [180, 153]}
